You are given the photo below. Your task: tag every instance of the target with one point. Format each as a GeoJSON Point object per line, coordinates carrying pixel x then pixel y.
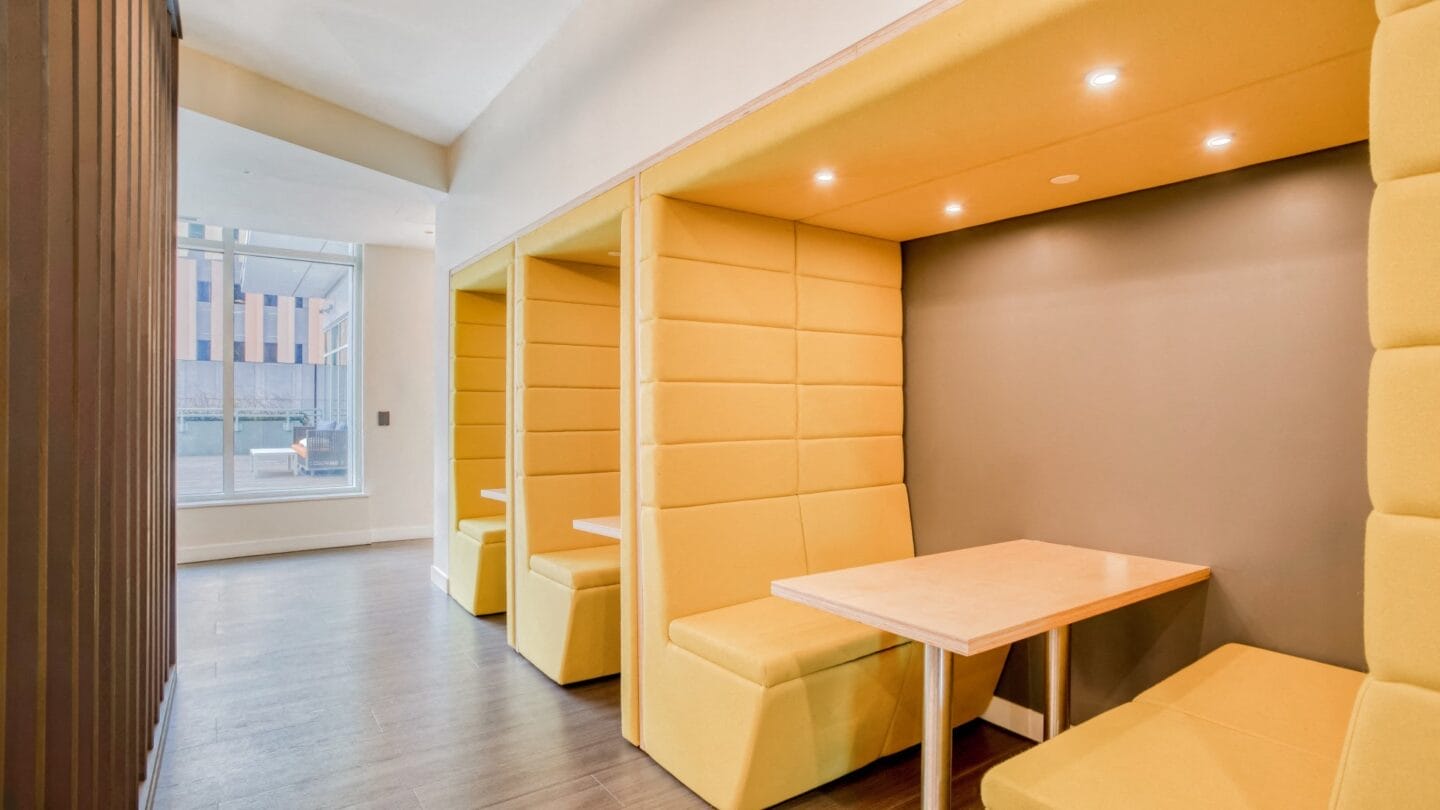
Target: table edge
{"type": "Point", "coordinates": [1000, 638]}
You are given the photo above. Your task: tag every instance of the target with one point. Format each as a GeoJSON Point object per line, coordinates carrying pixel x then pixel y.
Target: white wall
{"type": "Point", "coordinates": [621, 81]}
{"type": "Point", "coordinates": [398, 375]}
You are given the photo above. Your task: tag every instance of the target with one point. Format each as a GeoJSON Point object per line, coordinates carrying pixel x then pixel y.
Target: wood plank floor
{"type": "Point", "coordinates": [345, 679]}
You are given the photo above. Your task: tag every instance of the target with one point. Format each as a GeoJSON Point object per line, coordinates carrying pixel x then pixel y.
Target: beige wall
{"type": "Point", "coordinates": [1179, 373]}
{"type": "Point", "coordinates": [398, 374]}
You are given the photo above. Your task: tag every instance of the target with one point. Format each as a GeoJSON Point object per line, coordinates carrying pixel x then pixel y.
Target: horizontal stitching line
{"type": "Point", "coordinates": [786, 272]}
{"type": "Point", "coordinates": [784, 327]}
{"type": "Point", "coordinates": [896, 287]}
{"type": "Point", "coordinates": [533, 300]}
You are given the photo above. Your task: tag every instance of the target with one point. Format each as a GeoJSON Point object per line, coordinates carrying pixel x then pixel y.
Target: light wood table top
{"type": "Point", "coordinates": [495, 495]}
{"type": "Point", "coordinates": [603, 526]}
{"type": "Point", "coordinates": [977, 599]}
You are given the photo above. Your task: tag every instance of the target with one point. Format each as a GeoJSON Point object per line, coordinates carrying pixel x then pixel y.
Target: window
{"type": "Point", "coordinates": [274, 417]}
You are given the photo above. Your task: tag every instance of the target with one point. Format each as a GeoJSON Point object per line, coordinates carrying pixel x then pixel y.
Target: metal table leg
{"type": "Point", "coordinates": [936, 732]}
{"type": "Point", "coordinates": [1057, 680]}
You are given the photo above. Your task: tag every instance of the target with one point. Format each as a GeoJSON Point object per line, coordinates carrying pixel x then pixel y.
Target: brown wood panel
{"type": "Point", "coordinates": [87, 209]}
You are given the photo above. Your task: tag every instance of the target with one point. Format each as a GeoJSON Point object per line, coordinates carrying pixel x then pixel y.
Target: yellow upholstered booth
{"type": "Point", "coordinates": [1248, 728]}
{"type": "Point", "coordinates": [1392, 757]}
{"type": "Point", "coordinates": [770, 429]}
{"type": "Point", "coordinates": [565, 301]}
{"type": "Point", "coordinates": [477, 539]}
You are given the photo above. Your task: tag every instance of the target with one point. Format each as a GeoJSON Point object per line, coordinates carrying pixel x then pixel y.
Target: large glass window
{"type": "Point", "coordinates": [275, 415]}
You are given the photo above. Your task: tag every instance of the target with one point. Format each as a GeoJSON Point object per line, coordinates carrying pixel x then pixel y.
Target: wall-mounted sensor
{"type": "Point", "coordinates": [384, 419]}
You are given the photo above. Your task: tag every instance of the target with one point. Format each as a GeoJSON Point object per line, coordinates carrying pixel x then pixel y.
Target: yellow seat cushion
{"type": "Point", "coordinates": [487, 530]}
{"type": "Point", "coordinates": [769, 641]}
{"type": "Point", "coordinates": [1241, 728]}
{"type": "Point", "coordinates": [580, 568]}
{"type": "Point", "coordinates": [1291, 700]}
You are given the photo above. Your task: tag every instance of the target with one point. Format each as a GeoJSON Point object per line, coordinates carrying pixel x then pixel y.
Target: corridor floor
{"type": "Point", "coordinates": [345, 679]}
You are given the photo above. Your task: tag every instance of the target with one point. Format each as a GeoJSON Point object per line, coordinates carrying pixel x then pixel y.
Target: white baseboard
{"type": "Point", "coordinates": [306, 542]}
{"type": "Point", "coordinates": [1015, 718]}
{"type": "Point", "coordinates": [439, 579]}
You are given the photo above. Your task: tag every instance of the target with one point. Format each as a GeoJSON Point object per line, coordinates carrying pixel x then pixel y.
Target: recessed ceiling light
{"type": "Point", "coordinates": [614, 254]}
{"type": "Point", "coordinates": [1064, 179]}
{"type": "Point", "coordinates": [1219, 140]}
{"type": "Point", "coordinates": [824, 177]}
{"type": "Point", "coordinates": [954, 209]}
{"type": "Point", "coordinates": [1104, 77]}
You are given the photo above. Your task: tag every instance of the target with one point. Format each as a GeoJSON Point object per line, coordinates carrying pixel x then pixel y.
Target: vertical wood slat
{"type": "Point", "coordinates": [87, 211]}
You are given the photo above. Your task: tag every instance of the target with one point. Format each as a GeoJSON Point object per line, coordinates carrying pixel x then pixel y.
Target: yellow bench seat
{"type": "Point", "coordinates": [580, 568]}
{"type": "Point", "coordinates": [486, 530]}
{"type": "Point", "coordinates": [1240, 728]}
{"type": "Point", "coordinates": [477, 565]}
{"type": "Point", "coordinates": [769, 641]}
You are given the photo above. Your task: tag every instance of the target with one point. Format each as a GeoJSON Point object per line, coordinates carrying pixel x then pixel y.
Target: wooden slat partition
{"type": "Point", "coordinates": [87, 213]}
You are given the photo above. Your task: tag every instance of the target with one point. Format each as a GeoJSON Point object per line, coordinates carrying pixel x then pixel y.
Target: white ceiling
{"type": "Point", "coordinates": [233, 176]}
{"type": "Point", "coordinates": [427, 67]}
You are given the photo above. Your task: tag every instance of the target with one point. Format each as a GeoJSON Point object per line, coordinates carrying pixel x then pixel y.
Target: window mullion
{"type": "Point", "coordinates": [227, 353]}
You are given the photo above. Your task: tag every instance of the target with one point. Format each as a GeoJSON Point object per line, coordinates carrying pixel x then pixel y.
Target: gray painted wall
{"type": "Point", "coordinates": [1178, 373]}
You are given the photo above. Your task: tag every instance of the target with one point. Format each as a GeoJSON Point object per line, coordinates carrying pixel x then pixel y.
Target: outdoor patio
{"type": "Point", "coordinates": [198, 475]}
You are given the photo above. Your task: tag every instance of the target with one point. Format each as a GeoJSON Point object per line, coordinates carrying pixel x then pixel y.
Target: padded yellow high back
{"type": "Point", "coordinates": [566, 466]}
{"type": "Point", "coordinates": [1392, 755]}
{"type": "Point", "coordinates": [477, 540]}
{"type": "Point", "coordinates": [770, 427]}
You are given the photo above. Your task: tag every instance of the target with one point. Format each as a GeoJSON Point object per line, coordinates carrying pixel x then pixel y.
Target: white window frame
{"type": "Point", "coordinates": [229, 248]}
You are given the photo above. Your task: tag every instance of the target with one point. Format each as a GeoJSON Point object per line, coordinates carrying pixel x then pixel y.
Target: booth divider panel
{"type": "Point", "coordinates": [1389, 759]}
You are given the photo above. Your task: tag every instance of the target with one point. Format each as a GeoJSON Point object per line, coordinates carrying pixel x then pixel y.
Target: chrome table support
{"type": "Point", "coordinates": [936, 732]}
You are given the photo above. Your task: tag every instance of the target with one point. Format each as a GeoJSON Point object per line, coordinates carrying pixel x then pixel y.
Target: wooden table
{"type": "Point", "coordinates": [495, 495]}
{"type": "Point", "coordinates": [976, 599]}
{"type": "Point", "coordinates": [603, 526]}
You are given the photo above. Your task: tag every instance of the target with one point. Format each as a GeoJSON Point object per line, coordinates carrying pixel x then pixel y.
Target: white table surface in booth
{"type": "Point", "coordinates": [495, 495]}
{"type": "Point", "coordinates": [976, 599]}
{"type": "Point", "coordinates": [603, 526]}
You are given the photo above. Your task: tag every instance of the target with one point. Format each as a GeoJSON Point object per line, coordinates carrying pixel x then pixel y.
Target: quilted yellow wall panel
{"type": "Point", "coordinates": [479, 374]}
{"type": "Point", "coordinates": [479, 408]}
{"type": "Point", "coordinates": [479, 308]}
{"type": "Point", "coordinates": [1405, 97]}
{"type": "Point", "coordinates": [684, 289]}
{"type": "Point", "coordinates": [693, 474]}
{"type": "Point", "coordinates": [828, 411]}
{"type": "Point", "coordinates": [569, 366]}
{"type": "Point", "coordinates": [480, 441]}
{"type": "Point", "coordinates": [702, 566]}
{"type": "Point", "coordinates": [683, 413]}
{"type": "Point", "coordinates": [694, 351]}
{"type": "Point", "coordinates": [827, 305]}
{"type": "Point", "coordinates": [479, 340]}
{"type": "Point", "coordinates": [570, 409]}
{"type": "Point", "coordinates": [1404, 257]}
{"type": "Point", "coordinates": [550, 504]}
{"type": "Point", "coordinates": [569, 323]}
{"type": "Point", "coordinates": [852, 527]}
{"type": "Point", "coordinates": [1404, 433]}
{"type": "Point", "coordinates": [825, 253]}
{"type": "Point", "coordinates": [838, 358]}
{"type": "Point", "coordinates": [1402, 624]}
{"type": "Point", "coordinates": [569, 452]}
{"type": "Point", "coordinates": [851, 462]}
{"type": "Point", "coordinates": [685, 230]}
